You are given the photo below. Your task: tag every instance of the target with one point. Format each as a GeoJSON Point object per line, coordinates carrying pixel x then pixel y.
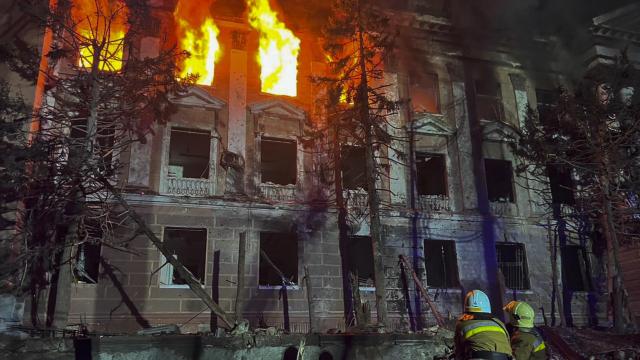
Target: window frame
{"type": "Point", "coordinates": [295, 163]}
{"type": "Point", "coordinates": [585, 272]}
{"type": "Point", "coordinates": [297, 279]}
{"type": "Point", "coordinates": [525, 264]}
{"type": "Point", "coordinates": [350, 255]}
{"type": "Point", "coordinates": [452, 245]}
{"type": "Point", "coordinates": [165, 277]}
{"type": "Point", "coordinates": [414, 82]}
{"type": "Point", "coordinates": [496, 98]}
{"type": "Point", "coordinates": [445, 174]}
{"type": "Point", "coordinates": [513, 199]}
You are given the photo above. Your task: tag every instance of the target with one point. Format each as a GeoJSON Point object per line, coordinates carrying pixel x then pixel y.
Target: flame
{"type": "Point", "coordinates": [278, 50]}
{"type": "Point", "coordinates": [198, 35]}
{"type": "Point", "coordinates": [100, 25]}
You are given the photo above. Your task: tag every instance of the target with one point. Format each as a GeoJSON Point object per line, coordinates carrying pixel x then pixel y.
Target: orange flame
{"type": "Point", "coordinates": [198, 35]}
{"type": "Point", "coordinates": [278, 50]}
{"type": "Point", "coordinates": [101, 26]}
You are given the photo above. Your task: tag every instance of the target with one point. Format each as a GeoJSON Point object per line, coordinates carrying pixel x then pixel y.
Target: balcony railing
{"type": "Point", "coordinates": [276, 192]}
{"type": "Point", "coordinates": [503, 208]}
{"type": "Point", "coordinates": [434, 203]}
{"type": "Point", "coordinates": [356, 198]}
{"type": "Point", "coordinates": [188, 186]}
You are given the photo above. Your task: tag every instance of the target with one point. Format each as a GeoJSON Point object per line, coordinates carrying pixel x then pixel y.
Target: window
{"type": "Point", "coordinates": [87, 268]}
{"type": "Point", "coordinates": [104, 144]}
{"type": "Point", "coordinates": [282, 250]}
{"type": "Point", "coordinates": [189, 151]}
{"type": "Point", "coordinates": [423, 91]}
{"type": "Point", "coordinates": [561, 185]}
{"type": "Point", "coordinates": [499, 180]}
{"type": "Point", "coordinates": [432, 174]}
{"type": "Point", "coordinates": [575, 269]}
{"type": "Point", "coordinates": [546, 108]}
{"type": "Point", "coordinates": [360, 255]}
{"type": "Point", "coordinates": [489, 100]}
{"type": "Point", "coordinates": [513, 265]}
{"type": "Point", "coordinates": [353, 168]}
{"type": "Point", "coordinates": [189, 246]}
{"type": "Point", "coordinates": [278, 161]}
{"type": "Point", "coordinates": [441, 263]}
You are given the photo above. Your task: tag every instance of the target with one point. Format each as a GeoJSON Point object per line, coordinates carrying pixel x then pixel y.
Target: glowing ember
{"type": "Point", "coordinates": [198, 35]}
{"type": "Point", "coordinates": [101, 26]}
{"type": "Point", "coordinates": [278, 50]}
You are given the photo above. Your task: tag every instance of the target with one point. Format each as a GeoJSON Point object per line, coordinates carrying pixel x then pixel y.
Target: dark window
{"type": "Point", "coordinates": [432, 174]}
{"type": "Point", "coordinates": [87, 267]}
{"type": "Point", "coordinates": [282, 250]}
{"type": "Point", "coordinates": [547, 100]}
{"type": "Point", "coordinates": [189, 246]}
{"type": "Point", "coordinates": [353, 168]}
{"type": "Point", "coordinates": [575, 268]}
{"type": "Point", "coordinates": [423, 91]}
{"type": "Point", "coordinates": [278, 161]}
{"type": "Point", "coordinates": [561, 185]}
{"type": "Point", "coordinates": [105, 141]}
{"type": "Point", "coordinates": [360, 252]}
{"type": "Point", "coordinates": [441, 263]}
{"type": "Point", "coordinates": [499, 180]}
{"type": "Point", "coordinates": [189, 152]}
{"type": "Point", "coordinates": [489, 100]}
{"type": "Point", "coordinates": [513, 265]}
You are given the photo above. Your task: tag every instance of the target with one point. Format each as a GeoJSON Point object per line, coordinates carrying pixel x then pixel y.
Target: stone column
{"type": "Point", "coordinates": [238, 95]}
{"type": "Point", "coordinates": [397, 166]}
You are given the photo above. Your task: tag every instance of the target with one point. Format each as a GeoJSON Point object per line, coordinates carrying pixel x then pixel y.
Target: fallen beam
{"type": "Point", "coordinates": [423, 291]}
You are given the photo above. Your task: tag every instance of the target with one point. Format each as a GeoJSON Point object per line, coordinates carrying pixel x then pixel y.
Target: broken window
{"type": "Point", "coordinates": [360, 253]}
{"type": "Point", "coordinates": [432, 174]}
{"type": "Point", "coordinates": [189, 153]}
{"type": "Point", "coordinates": [282, 251]}
{"type": "Point", "coordinates": [499, 180]}
{"type": "Point", "coordinates": [546, 102]}
{"type": "Point", "coordinates": [561, 184]}
{"type": "Point", "coordinates": [189, 246]}
{"type": "Point", "coordinates": [87, 268]}
{"type": "Point", "coordinates": [489, 100]}
{"type": "Point", "coordinates": [441, 263]}
{"type": "Point", "coordinates": [353, 168]}
{"type": "Point", "coordinates": [423, 91]}
{"type": "Point", "coordinates": [575, 268]}
{"type": "Point", "coordinates": [278, 161]}
{"type": "Point", "coordinates": [513, 265]}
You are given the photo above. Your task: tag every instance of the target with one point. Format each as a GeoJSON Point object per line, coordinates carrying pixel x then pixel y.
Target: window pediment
{"type": "Point", "coordinates": [499, 131]}
{"type": "Point", "coordinates": [199, 98]}
{"type": "Point", "coordinates": [278, 109]}
{"type": "Point", "coordinates": [433, 125]}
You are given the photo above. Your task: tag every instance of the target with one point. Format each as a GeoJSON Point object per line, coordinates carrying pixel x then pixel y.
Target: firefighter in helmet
{"type": "Point", "coordinates": [526, 340]}
{"type": "Point", "coordinates": [478, 334]}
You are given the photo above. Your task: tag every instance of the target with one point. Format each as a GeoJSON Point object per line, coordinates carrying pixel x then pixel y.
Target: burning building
{"type": "Point", "coordinates": [230, 176]}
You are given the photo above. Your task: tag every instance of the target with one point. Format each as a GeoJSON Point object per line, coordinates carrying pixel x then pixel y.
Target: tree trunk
{"type": "Point", "coordinates": [374, 198]}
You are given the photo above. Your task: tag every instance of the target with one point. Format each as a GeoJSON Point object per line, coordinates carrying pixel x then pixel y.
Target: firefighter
{"type": "Point", "coordinates": [478, 334]}
{"type": "Point", "coordinates": [526, 340]}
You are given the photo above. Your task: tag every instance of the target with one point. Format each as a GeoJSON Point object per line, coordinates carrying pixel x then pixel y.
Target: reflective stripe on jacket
{"type": "Point", "coordinates": [480, 334]}
{"type": "Point", "coordinates": [528, 344]}
{"type": "Point", "coordinates": [477, 326]}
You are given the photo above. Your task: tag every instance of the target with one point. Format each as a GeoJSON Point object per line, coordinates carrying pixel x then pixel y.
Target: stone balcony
{"type": "Point", "coordinates": [434, 203]}
{"type": "Point", "coordinates": [503, 208]}
{"type": "Point", "coordinates": [356, 198]}
{"type": "Point", "coordinates": [277, 192]}
{"type": "Point", "coordinates": [179, 186]}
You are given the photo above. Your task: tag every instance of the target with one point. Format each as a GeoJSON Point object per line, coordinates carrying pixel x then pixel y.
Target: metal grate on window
{"type": "Point", "coordinates": [513, 265]}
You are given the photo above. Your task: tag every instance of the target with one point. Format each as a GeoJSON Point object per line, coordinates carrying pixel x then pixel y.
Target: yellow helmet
{"type": "Point", "coordinates": [520, 313]}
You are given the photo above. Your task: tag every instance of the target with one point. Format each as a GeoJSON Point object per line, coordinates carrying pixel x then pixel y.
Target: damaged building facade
{"type": "Point", "coordinates": [233, 163]}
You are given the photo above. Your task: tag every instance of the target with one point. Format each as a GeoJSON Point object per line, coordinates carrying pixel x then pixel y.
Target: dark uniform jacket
{"type": "Point", "coordinates": [480, 332]}
{"type": "Point", "coordinates": [527, 344]}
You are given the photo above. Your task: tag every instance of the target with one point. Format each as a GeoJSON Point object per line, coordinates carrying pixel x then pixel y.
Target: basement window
{"type": "Point", "coordinates": [189, 246]}
{"type": "Point", "coordinates": [360, 256]}
{"type": "Point", "coordinates": [432, 174]}
{"type": "Point", "coordinates": [189, 153]}
{"type": "Point", "coordinates": [278, 161]}
{"type": "Point", "coordinates": [282, 250]}
{"type": "Point", "coordinates": [353, 168]}
{"type": "Point", "coordinates": [513, 265]}
{"type": "Point", "coordinates": [489, 100]}
{"type": "Point", "coordinates": [423, 91]}
{"type": "Point", "coordinates": [87, 268]}
{"type": "Point", "coordinates": [575, 268]}
{"type": "Point", "coordinates": [561, 184]}
{"type": "Point", "coordinates": [441, 263]}
{"type": "Point", "coordinates": [499, 180]}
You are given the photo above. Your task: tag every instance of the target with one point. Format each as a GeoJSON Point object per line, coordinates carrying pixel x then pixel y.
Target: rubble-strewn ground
{"type": "Point", "coordinates": [592, 344]}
